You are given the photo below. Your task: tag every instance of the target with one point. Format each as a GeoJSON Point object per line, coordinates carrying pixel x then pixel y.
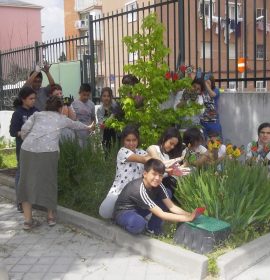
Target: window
{"type": "Point", "coordinates": [132, 57]}
{"type": "Point", "coordinates": [131, 17]}
{"type": "Point", "coordinates": [232, 10]}
{"type": "Point", "coordinates": [260, 14]}
{"type": "Point", "coordinates": [206, 9]}
{"type": "Point", "coordinates": [232, 86]}
{"type": "Point", "coordinates": [207, 49]}
{"type": "Point", "coordinates": [260, 87]}
{"type": "Point", "coordinates": [259, 52]}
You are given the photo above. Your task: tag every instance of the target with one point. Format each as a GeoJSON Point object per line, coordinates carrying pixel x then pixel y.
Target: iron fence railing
{"type": "Point", "coordinates": [211, 34]}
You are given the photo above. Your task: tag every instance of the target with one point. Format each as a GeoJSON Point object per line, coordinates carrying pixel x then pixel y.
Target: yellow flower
{"type": "Point", "coordinates": [237, 153]}
{"type": "Point", "coordinates": [229, 149]}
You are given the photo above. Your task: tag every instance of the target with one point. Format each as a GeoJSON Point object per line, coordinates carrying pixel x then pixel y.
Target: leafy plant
{"type": "Point", "coordinates": [141, 102]}
{"type": "Point", "coordinates": [84, 175]}
{"type": "Point", "coordinates": [239, 194]}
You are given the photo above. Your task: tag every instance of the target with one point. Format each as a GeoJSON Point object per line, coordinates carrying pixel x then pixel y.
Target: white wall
{"type": "Point", "coordinates": [241, 114]}
{"type": "Point", "coordinates": [5, 117]}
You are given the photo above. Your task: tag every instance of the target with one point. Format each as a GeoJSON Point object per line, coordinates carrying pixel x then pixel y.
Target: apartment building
{"type": "Point", "coordinates": [20, 24]}
{"type": "Point", "coordinates": [214, 36]}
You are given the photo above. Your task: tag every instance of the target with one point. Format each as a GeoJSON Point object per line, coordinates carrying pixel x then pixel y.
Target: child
{"type": "Point", "coordinates": [39, 157]}
{"type": "Point", "coordinates": [85, 111]}
{"type": "Point", "coordinates": [129, 162]}
{"type": "Point", "coordinates": [169, 148]}
{"type": "Point", "coordinates": [195, 153]}
{"type": "Point", "coordinates": [169, 151]}
{"type": "Point", "coordinates": [24, 108]}
{"type": "Point", "coordinates": [56, 90]}
{"type": "Point", "coordinates": [216, 147]}
{"type": "Point", "coordinates": [259, 151]}
{"type": "Point", "coordinates": [104, 112]}
{"type": "Point", "coordinates": [210, 117]}
{"type": "Point", "coordinates": [67, 110]}
{"type": "Point", "coordinates": [35, 81]}
{"type": "Point", "coordinates": [147, 195]}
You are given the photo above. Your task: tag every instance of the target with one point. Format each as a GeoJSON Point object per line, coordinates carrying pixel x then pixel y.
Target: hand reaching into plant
{"type": "Point", "coordinates": [92, 126]}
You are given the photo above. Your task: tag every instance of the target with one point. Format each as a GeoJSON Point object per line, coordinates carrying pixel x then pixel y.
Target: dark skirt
{"type": "Point", "coordinates": [38, 178]}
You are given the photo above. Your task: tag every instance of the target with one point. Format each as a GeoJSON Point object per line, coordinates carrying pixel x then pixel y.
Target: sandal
{"type": "Point", "coordinates": [51, 221]}
{"type": "Point", "coordinates": [31, 225]}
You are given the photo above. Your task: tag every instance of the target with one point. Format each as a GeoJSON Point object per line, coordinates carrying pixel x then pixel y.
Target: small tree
{"type": "Point", "coordinates": [153, 87]}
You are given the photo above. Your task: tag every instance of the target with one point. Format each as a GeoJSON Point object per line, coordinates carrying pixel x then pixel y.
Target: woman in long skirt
{"type": "Point", "coordinates": [39, 159]}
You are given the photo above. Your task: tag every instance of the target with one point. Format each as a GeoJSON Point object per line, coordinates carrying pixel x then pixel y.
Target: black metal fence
{"type": "Point", "coordinates": [211, 34]}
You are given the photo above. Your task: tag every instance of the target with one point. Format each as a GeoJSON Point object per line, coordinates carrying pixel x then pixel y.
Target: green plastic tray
{"type": "Point", "coordinates": [209, 224]}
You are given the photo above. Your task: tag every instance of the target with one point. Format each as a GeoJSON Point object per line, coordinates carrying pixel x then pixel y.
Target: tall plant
{"type": "Point", "coordinates": [239, 195]}
{"type": "Point", "coordinates": [153, 87]}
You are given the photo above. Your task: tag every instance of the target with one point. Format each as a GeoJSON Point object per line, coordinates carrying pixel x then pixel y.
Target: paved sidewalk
{"type": "Point", "coordinates": [68, 253]}
{"type": "Point", "coordinates": [260, 271]}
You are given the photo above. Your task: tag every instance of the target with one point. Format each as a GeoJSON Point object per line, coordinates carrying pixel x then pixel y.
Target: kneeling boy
{"type": "Point", "coordinates": [147, 195]}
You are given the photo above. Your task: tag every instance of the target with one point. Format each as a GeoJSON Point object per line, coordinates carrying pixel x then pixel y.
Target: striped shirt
{"type": "Point", "coordinates": [135, 195]}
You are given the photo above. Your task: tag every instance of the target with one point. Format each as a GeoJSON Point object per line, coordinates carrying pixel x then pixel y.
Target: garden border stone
{"type": "Point", "coordinates": [192, 265]}
{"type": "Point", "coordinates": [240, 259]}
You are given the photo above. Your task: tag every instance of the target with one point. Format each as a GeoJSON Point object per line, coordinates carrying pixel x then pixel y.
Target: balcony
{"type": "Point", "coordinates": [81, 5]}
{"type": "Point", "coordinates": [81, 24]}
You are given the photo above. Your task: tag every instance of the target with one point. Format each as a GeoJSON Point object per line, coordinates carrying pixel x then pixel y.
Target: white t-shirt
{"type": "Point", "coordinates": [162, 156]}
{"type": "Point", "coordinates": [126, 171]}
{"type": "Point", "coordinates": [200, 150]}
{"type": "Point", "coordinates": [221, 151]}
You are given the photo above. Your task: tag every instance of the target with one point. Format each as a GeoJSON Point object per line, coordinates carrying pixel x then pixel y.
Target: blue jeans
{"type": "Point", "coordinates": [134, 221]}
{"type": "Point", "coordinates": [209, 127]}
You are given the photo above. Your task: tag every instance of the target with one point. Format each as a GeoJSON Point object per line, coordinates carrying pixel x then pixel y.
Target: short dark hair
{"type": "Point", "coordinates": [54, 103]}
{"type": "Point", "coordinates": [130, 79]}
{"type": "Point", "coordinates": [192, 135]}
{"type": "Point", "coordinates": [130, 129]}
{"type": "Point", "coordinates": [23, 94]}
{"type": "Point", "coordinates": [199, 81]}
{"type": "Point", "coordinates": [55, 87]}
{"type": "Point", "coordinates": [85, 87]}
{"type": "Point", "coordinates": [39, 75]}
{"type": "Point", "coordinates": [262, 126]}
{"type": "Point", "coordinates": [154, 164]}
{"type": "Point", "coordinates": [107, 89]}
{"type": "Point", "coordinates": [213, 133]}
{"type": "Point", "coordinates": [169, 133]}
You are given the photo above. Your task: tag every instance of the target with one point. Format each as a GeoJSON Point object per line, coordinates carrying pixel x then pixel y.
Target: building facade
{"type": "Point", "coordinates": [216, 33]}
{"type": "Point", "coordinates": [20, 24]}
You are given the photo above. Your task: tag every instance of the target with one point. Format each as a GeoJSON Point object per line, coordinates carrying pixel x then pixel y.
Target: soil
{"type": "Point", "coordinates": [11, 172]}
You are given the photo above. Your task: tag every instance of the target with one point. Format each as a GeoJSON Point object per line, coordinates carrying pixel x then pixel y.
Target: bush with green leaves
{"type": "Point", "coordinates": [84, 175]}
{"type": "Point", "coordinates": [239, 195]}
{"type": "Point", "coordinates": [153, 87]}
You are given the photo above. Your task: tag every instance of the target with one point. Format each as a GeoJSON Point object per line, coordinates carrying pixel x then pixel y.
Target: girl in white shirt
{"type": "Point", "coordinates": [169, 151]}
{"type": "Point", "coordinates": [129, 166]}
{"type": "Point", "coordinates": [195, 153]}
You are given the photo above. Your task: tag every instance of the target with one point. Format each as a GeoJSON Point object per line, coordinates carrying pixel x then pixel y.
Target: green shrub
{"type": "Point", "coordinates": [84, 175]}
{"type": "Point", "coordinates": [239, 194]}
{"type": "Point", "coordinates": [153, 87]}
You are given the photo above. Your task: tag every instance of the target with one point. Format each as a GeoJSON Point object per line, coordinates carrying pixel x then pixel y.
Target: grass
{"type": "Point", "coordinates": [8, 160]}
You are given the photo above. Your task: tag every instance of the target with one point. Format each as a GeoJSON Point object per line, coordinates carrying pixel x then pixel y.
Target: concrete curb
{"type": "Point", "coordinates": [233, 263]}
{"type": "Point", "coordinates": [192, 265]}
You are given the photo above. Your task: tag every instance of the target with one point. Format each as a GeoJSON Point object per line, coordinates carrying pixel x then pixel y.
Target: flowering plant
{"type": "Point", "coordinates": [213, 144]}
{"type": "Point", "coordinates": [180, 73]}
{"type": "Point", "coordinates": [234, 151]}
